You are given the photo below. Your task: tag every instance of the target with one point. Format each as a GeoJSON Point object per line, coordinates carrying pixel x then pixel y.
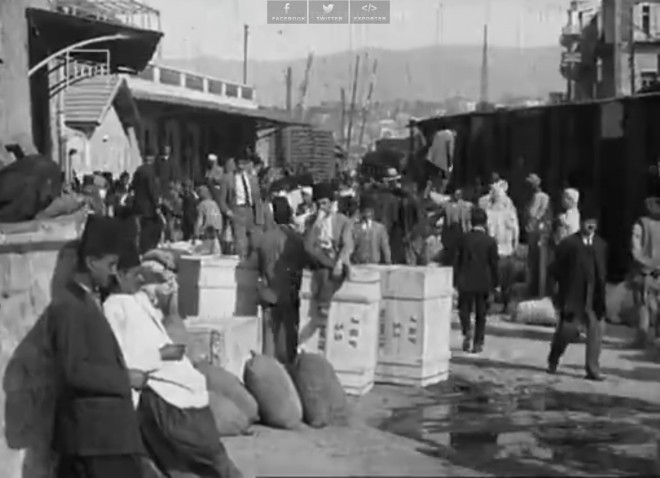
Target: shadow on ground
{"type": "Point", "coordinates": [642, 374]}
{"type": "Point", "coordinates": [531, 430]}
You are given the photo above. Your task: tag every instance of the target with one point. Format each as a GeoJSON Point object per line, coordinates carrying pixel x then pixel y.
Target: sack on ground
{"type": "Point", "coordinates": [323, 398]}
{"type": "Point", "coordinates": [230, 420]}
{"type": "Point", "coordinates": [536, 312]}
{"type": "Point", "coordinates": [271, 385]}
{"type": "Point", "coordinates": [221, 381]}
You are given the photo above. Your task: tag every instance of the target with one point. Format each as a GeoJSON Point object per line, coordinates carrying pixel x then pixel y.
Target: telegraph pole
{"type": "Point", "coordinates": [246, 32]}
{"type": "Point", "coordinates": [289, 86]}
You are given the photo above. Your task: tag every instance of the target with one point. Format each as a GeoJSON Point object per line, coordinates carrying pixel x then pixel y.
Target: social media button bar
{"type": "Point", "coordinates": [291, 12]}
{"type": "Point", "coordinates": [370, 12]}
{"type": "Point", "coordinates": [328, 11]}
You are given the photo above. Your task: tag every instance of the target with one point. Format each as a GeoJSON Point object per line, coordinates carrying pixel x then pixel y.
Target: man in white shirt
{"type": "Point", "coordinates": [176, 423]}
{"type": "Point", "coordinates": [240, 201]}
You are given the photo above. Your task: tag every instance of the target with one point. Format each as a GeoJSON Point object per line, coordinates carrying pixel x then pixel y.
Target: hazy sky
{"type": "Point", "coordinates": [215, 27]}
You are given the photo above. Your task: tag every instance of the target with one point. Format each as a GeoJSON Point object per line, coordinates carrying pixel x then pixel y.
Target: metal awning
{"type": "Point", "coordinates": [265, 118]}
{"type": "Point", "coordinates": [59, 31]}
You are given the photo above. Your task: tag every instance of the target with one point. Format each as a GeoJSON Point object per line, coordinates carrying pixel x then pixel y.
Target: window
{"type": "Point", "coordinates": [646, 19]}
{"type": "Point", "coordinates": [648, 78]}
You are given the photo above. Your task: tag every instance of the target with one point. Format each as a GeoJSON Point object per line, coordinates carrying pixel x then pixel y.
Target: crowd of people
{"type": "Point", "coordinates": [286, 224]}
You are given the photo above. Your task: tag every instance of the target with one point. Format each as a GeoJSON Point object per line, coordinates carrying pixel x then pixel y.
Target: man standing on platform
{"type": "Point", "coordinates": [580, 269]}
{"type": "Point", "coordinates": [146, 201]}
{"type": "Point", "coordinates": [240, 201]}
{"type": "Point", "coordinates": [96, 429]}
{"type": "Point", "coordinates": [476, 270]}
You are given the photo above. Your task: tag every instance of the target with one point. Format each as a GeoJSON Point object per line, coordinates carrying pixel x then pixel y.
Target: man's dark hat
{"type": "Point", "coordinates": [323, 191]}
{"type": "Point", "coordinates": [367, 202]}
{"type": "Point", "coordinates": [103, 236]}
{"type": "Point", "coordinates": [282, 212]}
{"type": "Point", "coordinates": [589, 210]}
{"type": "Point", "coordinates": [129, 256]}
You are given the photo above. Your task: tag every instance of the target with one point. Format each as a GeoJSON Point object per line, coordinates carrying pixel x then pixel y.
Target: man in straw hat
{"type": "Point", "coordinates": [96, 430]}
{"type": "Point", "coordinates": [580, 269]}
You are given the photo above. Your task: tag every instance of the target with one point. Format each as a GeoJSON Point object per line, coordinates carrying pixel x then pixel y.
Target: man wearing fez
{"type": "Point", "coordinates": [580, 269]}
{"type": "Point", "coordinates": [329, 245]}
{"type": "Point", "coordinates": [281, 258]}
{"type": "Point", "coordinates": [96, 430]}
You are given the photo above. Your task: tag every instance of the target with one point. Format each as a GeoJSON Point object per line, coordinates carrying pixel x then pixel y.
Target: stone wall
{"type": "Point", "coordinates": [35, 258]}
{"type": "Point", "coordinates": [15, 112]}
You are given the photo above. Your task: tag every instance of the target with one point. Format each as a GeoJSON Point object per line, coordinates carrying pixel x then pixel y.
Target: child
{"type": "Point", "coordinates": [209, 220]}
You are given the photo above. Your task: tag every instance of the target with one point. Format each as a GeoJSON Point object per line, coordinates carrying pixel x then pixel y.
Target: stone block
{"type": "Point", "coordinates": [31, 263]}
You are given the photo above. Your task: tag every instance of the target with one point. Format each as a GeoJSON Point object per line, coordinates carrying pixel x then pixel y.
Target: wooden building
{"type": "Point", "coordinates": [603, 148]}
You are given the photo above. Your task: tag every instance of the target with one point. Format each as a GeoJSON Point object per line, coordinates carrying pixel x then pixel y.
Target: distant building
{"type": "Point", "coordinates": [595, 32]}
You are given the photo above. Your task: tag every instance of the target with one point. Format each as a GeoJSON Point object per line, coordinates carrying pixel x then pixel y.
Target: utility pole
{"type": "Point", "coordinates": [342, 127]}
{"type": "Point", "coordinates": [351, 112]}
{"type": "Point", "coordinates": [483, 99]}
{"type": "Point", "coordinates": [631, 47]}
{"type": "Point", "coordinates": [246, 33]}
{"type": "Point", "coordinates": [289, 86]}
{"type": "Point", "coordinates": [367, 104]}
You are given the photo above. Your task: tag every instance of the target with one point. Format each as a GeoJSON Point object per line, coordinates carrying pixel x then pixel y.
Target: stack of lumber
{"type": "Point", "coordinates": [311, 147]}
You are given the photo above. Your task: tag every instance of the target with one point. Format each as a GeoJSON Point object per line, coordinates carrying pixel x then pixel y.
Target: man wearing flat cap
{"type": "Point", "coordinates": [580, 269]}
{"type": "Point", "coordinates": [329, 245]}
{"type": "Point", "coordinates": [96, 431]}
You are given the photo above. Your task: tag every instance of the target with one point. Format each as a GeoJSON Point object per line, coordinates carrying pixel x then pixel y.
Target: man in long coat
{"type": "Point", "coordinates": [580, 269]}
{"type": "Point", "coordinates": [96, 430]}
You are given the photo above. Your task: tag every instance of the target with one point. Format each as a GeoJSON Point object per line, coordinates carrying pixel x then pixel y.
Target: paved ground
{"type": "Point", "coordinates": [498, 414]}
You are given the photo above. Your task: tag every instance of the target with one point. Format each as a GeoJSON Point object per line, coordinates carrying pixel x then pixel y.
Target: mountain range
{"type": "Point", "coordinates": [434, 73]}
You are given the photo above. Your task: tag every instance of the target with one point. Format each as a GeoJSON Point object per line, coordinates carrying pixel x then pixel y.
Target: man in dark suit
{"type": "Point", "coordinates": [146, 200]}
{"type": "Point", "coordinates": [281, 258]}
{"type": "Point", "coordinates": [580, 269]}
{"type": "Point", "coordinates": [241, 202]}
{"type": "Point", "coordinates": [96, 429]}
{"type": "Point", "coordinates": [476, 266]}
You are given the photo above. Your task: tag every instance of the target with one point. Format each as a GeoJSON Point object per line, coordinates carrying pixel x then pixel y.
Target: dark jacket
{"type": "Point", "coordinates": [571, 269]}
{"type": "Point", "coordinates": [281, 259]}
{"type": "Point", "coordinates": [145, 191]}
{"type": "Point", "coordinates": [94, 413]}
{"type": "Point", "coordinates": [476, 262]}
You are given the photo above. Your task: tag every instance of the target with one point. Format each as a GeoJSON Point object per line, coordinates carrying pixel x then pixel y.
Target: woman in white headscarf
{"type": "Point", "coordinates": [568, 222]}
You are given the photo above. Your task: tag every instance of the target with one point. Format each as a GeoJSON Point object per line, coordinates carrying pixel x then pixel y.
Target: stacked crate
{"type": "Point", "coordinates": [311, 147]}
{"type": "Point", "coordinates": [218, 299]}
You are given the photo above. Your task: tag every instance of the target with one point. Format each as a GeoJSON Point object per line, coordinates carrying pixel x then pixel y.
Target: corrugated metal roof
{"type": "Point", "coordinates": [86, 101]}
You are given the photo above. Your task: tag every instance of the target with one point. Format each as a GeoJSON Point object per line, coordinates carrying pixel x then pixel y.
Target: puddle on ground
{"type": "Point", "coordinates": [531, 430]}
